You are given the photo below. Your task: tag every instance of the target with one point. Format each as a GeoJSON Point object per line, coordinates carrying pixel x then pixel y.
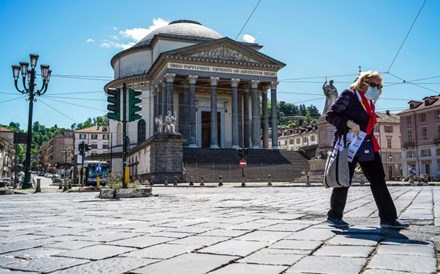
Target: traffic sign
{"type": "Point", "coordinates": [243, 163]}
{"type": "Point", "coordinates": [98, 168]}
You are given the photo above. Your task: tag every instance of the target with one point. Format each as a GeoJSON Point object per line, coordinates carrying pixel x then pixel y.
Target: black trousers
{"type": "Point", "coordinates": [375, 174]}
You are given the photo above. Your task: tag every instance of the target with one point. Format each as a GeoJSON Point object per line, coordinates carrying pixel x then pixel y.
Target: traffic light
{"type": "Point", "coordinates": [114, 106]}
{"type": "Point", "coordinates": [83, 148]}
{"type": "Point", "coordinates": [133, 105]}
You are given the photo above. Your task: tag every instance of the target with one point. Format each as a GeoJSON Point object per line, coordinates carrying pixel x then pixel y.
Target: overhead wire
{"type": "Point", "coordinates": [42, 101]}
{"type": "Point", "coordinates": [238, 35]}
{"type": "Point", "coordinates": [407, 34]}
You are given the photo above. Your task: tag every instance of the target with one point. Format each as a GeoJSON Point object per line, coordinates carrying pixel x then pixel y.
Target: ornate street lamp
{"type": "Point", "coordinates": [28, 73]}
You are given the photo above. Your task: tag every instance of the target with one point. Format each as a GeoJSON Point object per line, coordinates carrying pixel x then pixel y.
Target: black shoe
{"type": "Point", "coordinates": [337, 222]}
{"type": "Point", "coordinates": [396, 224]}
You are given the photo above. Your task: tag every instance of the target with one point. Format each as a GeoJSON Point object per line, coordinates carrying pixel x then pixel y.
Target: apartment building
{"type": "Point", "coordinates": [420, 129]}
{"type": "Point", "coordinates": [387, 132]}
{"type": "Point", "coordinates": [96, 137]}
{"type": "Point", "coordinates": [300, 138]}
{"type": "Point", "coordinates": [7, 152]}
{"type": "Point", "coordinates": [60, 149]}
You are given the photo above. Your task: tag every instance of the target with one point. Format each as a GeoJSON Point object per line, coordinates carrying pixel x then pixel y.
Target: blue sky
{"type": "Point", "coordinates": [313, 38]}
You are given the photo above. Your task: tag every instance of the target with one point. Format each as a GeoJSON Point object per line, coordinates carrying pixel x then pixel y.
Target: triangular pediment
{"type": "Point", "coordinates": [227, 50]}
{"type": "Point", "coordinates": [224, 53]}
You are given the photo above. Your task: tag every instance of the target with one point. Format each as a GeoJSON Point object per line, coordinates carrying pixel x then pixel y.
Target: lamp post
{"type": "Point", "coordinates": [28, 73]}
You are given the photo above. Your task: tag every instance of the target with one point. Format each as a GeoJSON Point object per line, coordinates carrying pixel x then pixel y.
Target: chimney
{"type": "Point", "coordinates": [388, 112]}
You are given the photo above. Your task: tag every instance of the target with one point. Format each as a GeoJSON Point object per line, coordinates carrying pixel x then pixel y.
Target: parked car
{"type": "Point", "coordinates": [56, 178]}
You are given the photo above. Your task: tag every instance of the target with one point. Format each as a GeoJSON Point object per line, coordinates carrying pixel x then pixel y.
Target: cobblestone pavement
{"type": "Point", "coordinates": [217, 230]}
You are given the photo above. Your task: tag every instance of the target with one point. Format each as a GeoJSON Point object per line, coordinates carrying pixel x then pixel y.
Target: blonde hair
{"type": "Point", "coordinates": [357, 84]}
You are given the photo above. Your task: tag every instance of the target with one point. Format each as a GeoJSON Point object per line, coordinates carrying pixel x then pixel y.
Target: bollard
{"type": "Point", "coordinates": [175, 180]}
{"type": "Point", "coordinates": [69, 184]}
{"type": "Point", "coordinates": [202, 181]}
{"type": "Point", "coordinates": [64, 184]}
{"type": "Point", "coordinates": [220, 180]}
{"type": "Point", "coordinates": [269, 177]}
{"type": "Point", "coordinates": [98, 182]}
{"type": "Point", "coordinates": [38, 188]}
{"type": "Point", "coordinates": [60, 186]}
{"type": "Point", "coordinates": [191, 183]}
{"type": "Point", "coordinates": [308, 179]}
{"type": "Point", "coordinates": [165, 180]}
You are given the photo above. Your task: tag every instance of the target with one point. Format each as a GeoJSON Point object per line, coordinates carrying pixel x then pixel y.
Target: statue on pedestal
{"type": "Point", "coordinates": [331, 93]}
{"type": "Point", "coordinates": [159, 124]}
{"type": "Point", "coordinates": [170, 128]}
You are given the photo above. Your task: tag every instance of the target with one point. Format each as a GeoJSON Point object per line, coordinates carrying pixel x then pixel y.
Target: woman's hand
{"type": "Point", "coordinates": [353, 127]}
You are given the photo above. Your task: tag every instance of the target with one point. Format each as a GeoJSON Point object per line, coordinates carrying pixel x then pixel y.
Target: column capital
{"type": "Point", "coordinates": [169, 77]}
{"type": "Point", "coordinates": [192, 79]}
{"type": "Point", "coordinates": [254, 83]}
{"type": "Point", "coordinates": [274, 84]}
{"type": "Point", "coordinates": [214, 81]}
{"type": "Point", "coordinates": [265, 88]}
{"type": "Point", "coordinates": [234, 82]}
{"type": "Point", "coordinates": [246, 88]}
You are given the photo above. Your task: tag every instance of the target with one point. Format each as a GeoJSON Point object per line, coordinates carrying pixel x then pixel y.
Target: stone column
{"type": "Point", "coordinates": [247, 121]}
{"type": "Point", "coordinates": [214, 137]}
{"type": "Point", "coordinates": [234, 100]}
{"type": "Point", "coordinates": [185, 119]}
{"type": "Point", "coordinates": [170, 80]}
{"type": "Point", "coordinates": [192, 111]}
{"type": "Point", "coordinates": [156, 101]}
{"type": "Point", "coordinates": [163, 105]}
{"type": "Point", "coordinates": [255, 116]}
{"type": "Point", "coordinates": [265, 118]}
{"type": "Point", "coordinates": [273, 104]}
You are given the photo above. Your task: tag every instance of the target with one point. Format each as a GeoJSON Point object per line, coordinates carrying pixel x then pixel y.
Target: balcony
{"type": "Point", "coordinates": [436, 141]}
{"type": "Point", "coordinates": [408, 144]}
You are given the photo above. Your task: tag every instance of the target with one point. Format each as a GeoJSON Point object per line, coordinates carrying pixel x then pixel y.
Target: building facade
{"type": "Point", "coordinates": [60, 150]}
{"type": "Point", "coordinates": [296, 138]}
{"type": "Point", "coordinates": [7, 152]}
{"type": "Point", "coordinates": [387, 132]}
{"type": "Point", "coordinates": [420, 129]}
{"type": "Point", "coordinates": [96, 137]}
{"type": "Point", "coordinates": [211, 84]}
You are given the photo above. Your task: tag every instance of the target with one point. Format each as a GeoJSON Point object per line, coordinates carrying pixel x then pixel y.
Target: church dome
{"type": "Point", "coordinates": [183, 28]}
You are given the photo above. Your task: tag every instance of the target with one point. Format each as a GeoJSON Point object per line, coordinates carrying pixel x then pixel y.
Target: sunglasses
{"type": "Point", "coordinates": [373, 85]}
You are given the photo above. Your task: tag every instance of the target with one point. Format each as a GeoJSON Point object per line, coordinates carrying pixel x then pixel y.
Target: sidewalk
{"type": "Point", "coordinates": [217, 230]}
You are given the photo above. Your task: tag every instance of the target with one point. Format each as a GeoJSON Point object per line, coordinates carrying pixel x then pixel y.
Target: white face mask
{"type": "Point", "coordinates": [372, 93]}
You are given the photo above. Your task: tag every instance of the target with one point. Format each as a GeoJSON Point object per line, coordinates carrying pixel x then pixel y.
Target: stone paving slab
{"type": "Point", "coordinates": [410, 264]}
{"type": "Point", "coordinates": [330, 265]}
{"type": "Point", "coordinates": [96, 252]}
{"type": "Point", "coordinates": [189, 263]}
{"type": "Point", "coordinates": [250, 269]}
{"type": "Point", "coordinates": [108, 266]}
{"type": "Point", "coordinates": [48, 264]}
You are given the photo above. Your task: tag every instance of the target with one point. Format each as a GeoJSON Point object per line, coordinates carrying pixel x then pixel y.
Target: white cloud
{"type": "Point", "coordinates": [133, 35]}
{"type": "Point", "coordinates": [248, 38]}
{"type": "Point", "coordinates": [136, 34]}
{"type": "Point", "coordinates": [90, 40]}
{"type": "Point", "coordinates": [111, 44]}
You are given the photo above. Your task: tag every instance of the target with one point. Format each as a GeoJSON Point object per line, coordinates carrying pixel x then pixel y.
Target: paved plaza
{"type": "Point", "coordinates": [217, 230]}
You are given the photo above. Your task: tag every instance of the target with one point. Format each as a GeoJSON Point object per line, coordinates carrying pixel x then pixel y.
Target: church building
{"type": "Point", "coordinates": [212, 85]}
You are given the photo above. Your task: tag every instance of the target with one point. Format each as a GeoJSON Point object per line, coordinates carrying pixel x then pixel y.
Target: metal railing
{"type": "Point", "coordinates": [229, 173]}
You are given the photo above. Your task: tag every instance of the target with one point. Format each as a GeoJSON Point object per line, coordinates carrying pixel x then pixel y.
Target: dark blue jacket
{"type": "Point", "coordinates": [347, 107]}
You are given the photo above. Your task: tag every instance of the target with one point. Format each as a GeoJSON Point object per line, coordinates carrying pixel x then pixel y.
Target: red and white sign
{"type": "Point", "coordinates": [243, 163]}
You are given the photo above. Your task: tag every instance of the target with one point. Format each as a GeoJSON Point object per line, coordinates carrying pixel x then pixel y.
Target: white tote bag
{"type": "Point", "coordinates": [336, 172]}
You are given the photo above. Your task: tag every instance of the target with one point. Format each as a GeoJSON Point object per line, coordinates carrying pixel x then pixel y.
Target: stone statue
{"type": "Point", "coordinates": [331, 93]}
{"type": "Point", "coordinates": [159, 123]}
{"type": "Point", "coordinates": [170, 128]}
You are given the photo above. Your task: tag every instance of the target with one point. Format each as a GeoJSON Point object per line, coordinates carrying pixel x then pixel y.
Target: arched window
{"type": "Point", "coordinates": [142, 130]}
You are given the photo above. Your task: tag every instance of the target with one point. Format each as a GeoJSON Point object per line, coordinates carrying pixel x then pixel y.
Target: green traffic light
{"type": "Point", "coordinates": [133, 105]}
{"type": "Point", "coordinates": [114, 106]}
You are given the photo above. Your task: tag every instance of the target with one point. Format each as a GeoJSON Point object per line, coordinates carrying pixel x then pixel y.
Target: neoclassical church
{"type": "Point", "coordinates": [213, 85]}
